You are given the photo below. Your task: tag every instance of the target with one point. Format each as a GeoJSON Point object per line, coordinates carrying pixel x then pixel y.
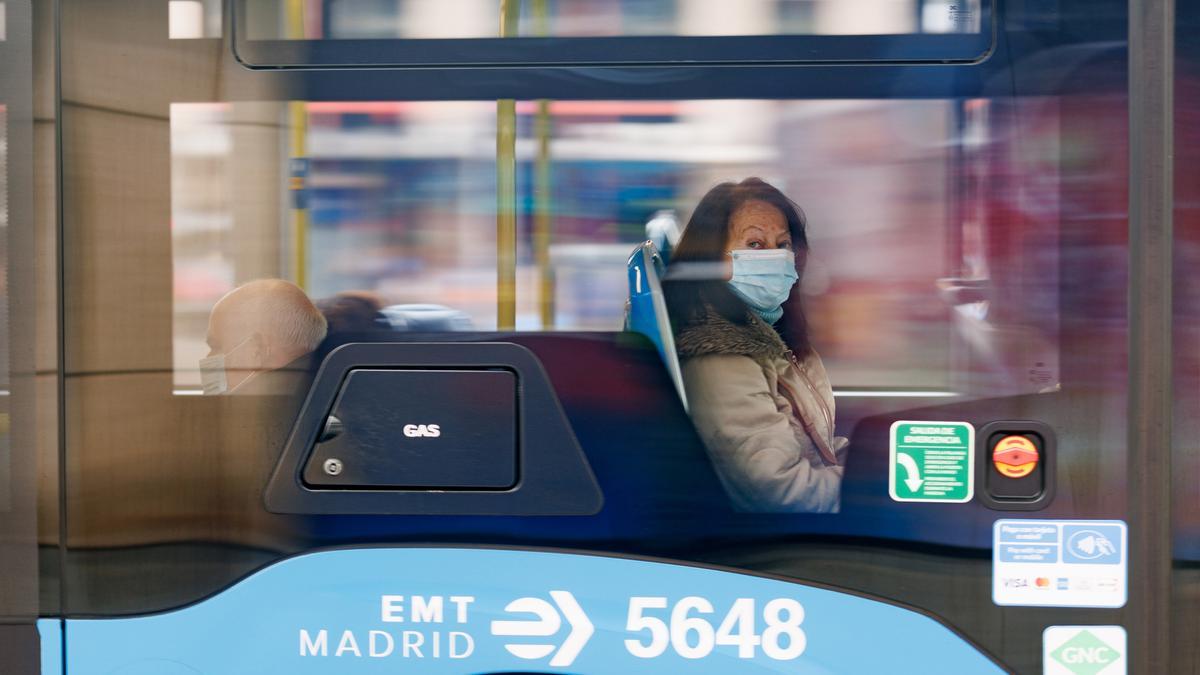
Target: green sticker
{"type": "Point", "coordinates": [1085, 654]}
{"type": "Point", "coordinates": [932, 462]}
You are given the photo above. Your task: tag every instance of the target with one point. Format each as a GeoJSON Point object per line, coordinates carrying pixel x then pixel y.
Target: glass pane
{"type": "Point", "coordinates": [397, 200]}
{"type": "Point", "coordinates": [930, 267]}
{"type": "Point", "coordinates": [424, 19]}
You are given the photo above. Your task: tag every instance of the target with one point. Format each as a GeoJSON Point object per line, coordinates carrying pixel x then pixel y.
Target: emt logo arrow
{"type": "Point", "coordinates": [547, 623]}
{"type": "Point", "coordinates": [914, 480]}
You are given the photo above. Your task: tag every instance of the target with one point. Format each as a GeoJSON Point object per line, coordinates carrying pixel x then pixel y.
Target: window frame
{"type": "Point", "coordinates": [959, 48]}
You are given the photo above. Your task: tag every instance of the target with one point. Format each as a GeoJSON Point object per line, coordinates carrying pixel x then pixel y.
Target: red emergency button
{"type": "Point", "coordinates": [1015, 456]}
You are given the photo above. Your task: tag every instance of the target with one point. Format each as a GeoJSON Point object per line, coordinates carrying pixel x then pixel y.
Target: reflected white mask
{"type": "Point", "coordinates": [212, 375]}
{"type": "Point", "coordinates": [212, 372]}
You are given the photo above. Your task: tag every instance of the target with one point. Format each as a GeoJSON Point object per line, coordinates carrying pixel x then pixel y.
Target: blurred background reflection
{"type": "Point", "coordinates": [399, 199]}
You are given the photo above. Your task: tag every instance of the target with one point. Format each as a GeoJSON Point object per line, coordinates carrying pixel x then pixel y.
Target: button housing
{"type": "Point", "coordinates": [554, 477]}
{"type": "Point", "coordinates": [1024, 493]}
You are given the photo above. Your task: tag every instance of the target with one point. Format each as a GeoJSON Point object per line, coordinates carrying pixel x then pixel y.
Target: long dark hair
{"type": "Point", "coordinates": [702, 246]}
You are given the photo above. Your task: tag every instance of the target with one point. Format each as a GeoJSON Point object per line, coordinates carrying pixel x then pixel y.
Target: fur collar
{"type": "Point", "coordinates": [715, 334]}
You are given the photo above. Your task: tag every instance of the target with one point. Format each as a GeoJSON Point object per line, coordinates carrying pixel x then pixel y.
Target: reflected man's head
{"type": "Point", "coordinates": [262, 325]}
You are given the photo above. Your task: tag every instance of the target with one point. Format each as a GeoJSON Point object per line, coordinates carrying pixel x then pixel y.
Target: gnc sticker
{"type": "Point", "coordinates": [1083, 650]}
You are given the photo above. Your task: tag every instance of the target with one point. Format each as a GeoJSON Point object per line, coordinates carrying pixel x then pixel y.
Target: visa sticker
{"type": "Point", "coordinates": [1059, 563]}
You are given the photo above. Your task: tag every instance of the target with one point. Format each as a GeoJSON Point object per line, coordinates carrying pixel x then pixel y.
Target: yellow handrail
{"type": "Point", "coordinates": [542, 197]}
{"type": "Point", "coordinates": [506, 190]}
{"type": "Point", "coordinates": [298, 158]}
{"type": "Point", "coordinates": [298, 151]}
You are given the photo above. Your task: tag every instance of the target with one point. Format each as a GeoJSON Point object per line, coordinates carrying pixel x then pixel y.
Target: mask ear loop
{"type": "Point", "coordinates": [239, 345]}
{"type": "Point", "coordinates": [263, 347]}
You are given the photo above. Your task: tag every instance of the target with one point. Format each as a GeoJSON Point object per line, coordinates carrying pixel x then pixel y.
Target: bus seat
{"type": "Point", "coordinates": [426, 318]}
{"type": "Point", "coordinates": [663, 229]}
{"type": "Point", "coordinates": [646, 309]}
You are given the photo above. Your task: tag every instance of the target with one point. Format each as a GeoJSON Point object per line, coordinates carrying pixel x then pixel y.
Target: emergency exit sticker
{"type": "Point", "coordinates": [1083, 650]}
{"type": "Point", "coordinates": [1059, 563]}
{"type": "Point", "coordinates": [932, 462]}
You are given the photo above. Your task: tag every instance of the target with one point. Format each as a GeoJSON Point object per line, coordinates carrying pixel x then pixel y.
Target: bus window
{"type": "Point", "coordinates": [397, 200]}
{"type": "Point", "coordinates": [928, 271]}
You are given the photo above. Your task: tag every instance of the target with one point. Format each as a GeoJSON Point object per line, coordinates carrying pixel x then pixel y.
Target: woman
{"type": "Point", "coordinates": [758, 393]}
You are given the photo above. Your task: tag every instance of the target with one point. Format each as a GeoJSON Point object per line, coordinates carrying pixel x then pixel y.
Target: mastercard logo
{"type": "Point", "coordinates": [1015, 456]}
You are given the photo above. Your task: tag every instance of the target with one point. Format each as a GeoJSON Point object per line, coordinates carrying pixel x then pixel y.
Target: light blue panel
{"type": "Point", "coordinates": [1027, 532]}
{"type": "Point", "coordinates": [1027, 553]}
{"type": "Point", "coordinates": [50, 631]}
{"type": "Point", "coordinates": [255, 626]}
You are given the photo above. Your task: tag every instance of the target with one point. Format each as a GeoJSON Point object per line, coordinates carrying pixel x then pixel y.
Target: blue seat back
{"type": "Point", "coordinates": [646, 309]}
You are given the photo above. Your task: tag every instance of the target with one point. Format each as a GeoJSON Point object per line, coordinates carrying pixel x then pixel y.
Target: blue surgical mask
{"type": "Point", "coordinates": [763, 279]}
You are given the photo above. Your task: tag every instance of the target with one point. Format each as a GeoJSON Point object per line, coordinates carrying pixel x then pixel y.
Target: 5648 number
{"type": "Point", "coordinates": [687, 630]}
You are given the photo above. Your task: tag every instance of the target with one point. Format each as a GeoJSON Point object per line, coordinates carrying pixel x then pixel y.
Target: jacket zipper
{"type": "Point", "coordinates": [813, 389]}
{"type": "Point", "coordinates": [818, 439]}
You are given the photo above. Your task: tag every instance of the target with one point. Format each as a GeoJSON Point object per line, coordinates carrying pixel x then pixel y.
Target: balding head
{"type": "Point", "coordinates": [263, 325]}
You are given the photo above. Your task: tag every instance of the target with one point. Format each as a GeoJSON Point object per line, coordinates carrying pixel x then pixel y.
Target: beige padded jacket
{"type": "Point", "coordinates": [766, 417]}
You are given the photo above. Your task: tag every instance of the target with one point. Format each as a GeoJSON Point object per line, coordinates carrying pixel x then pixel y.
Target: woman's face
{"type": "Point", "coordinates": [758, 226]}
